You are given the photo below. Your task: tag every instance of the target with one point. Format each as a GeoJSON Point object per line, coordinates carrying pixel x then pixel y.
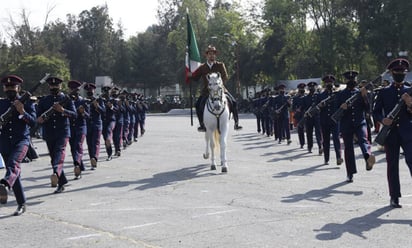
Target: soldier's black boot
{"type": "Point", "coordinates": [200, 106]}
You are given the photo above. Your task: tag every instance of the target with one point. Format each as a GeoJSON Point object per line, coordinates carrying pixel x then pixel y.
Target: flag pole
{"type": "Point", "coordinates": [192, 56]}
{"type": "Point", "coordinates": [190, 70]}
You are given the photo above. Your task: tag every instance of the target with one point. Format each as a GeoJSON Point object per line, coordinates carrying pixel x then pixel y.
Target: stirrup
{"type": "Point", "coordinates": [202, 128]}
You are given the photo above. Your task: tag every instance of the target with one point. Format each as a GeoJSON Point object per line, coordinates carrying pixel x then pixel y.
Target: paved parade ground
{"type": "Point", "coordinates": [161, 193]}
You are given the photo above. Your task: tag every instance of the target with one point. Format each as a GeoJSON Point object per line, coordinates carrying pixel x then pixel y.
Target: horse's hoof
{"type": "Point", "coordinates": [224, 169]}
{"type": "Point", "coordinates": [213, 167]}
{"type": "Point", "coordinates": [205, 156]}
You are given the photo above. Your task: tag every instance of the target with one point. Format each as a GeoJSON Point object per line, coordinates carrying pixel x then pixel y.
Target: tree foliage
{"type": "Point", "coordinates": [260, 44]}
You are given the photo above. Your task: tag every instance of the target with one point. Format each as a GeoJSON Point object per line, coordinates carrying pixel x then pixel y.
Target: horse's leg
{"type": "Point", "coordinates": [207, 139]}
{"type": "Point", "coordinates": [212, 150]}
{"type": "Point", "coordinates": [224, 129]}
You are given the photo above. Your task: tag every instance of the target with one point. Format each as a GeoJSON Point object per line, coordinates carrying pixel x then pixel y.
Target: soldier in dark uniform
{"type": "Point", "coordinates": [141, 108]}
{"type": "Point", "coordinates": [281, 114]}
{"type": "Point", "coordinates": [54, 111]}
{"type": "Point", "coordinates": [126, 117]}
{"type": "Point", "coordinates": [132, 104]}
{"type": "Point", "coordinates": [353, 123]}
{"type": "Point", "coordinates": [267, 121]}
{"type": "Point", "coordinates": [400, 134]}
{"type": "Point", "coordinates": [256, 106]}
{"type": "Point", "coordinates": [210, 66]}
{"type": "Point", "coordinates": [313, 122]}
{"type": "Point", "coordinates": [328, 126]}
{"type": "Point", "coordinates": [298, 111]}
{"type": "Point", "coordinates": [14, 140]}
{"type": "Point", "coordinates": [119, 114]}
{"type": "Point", "coordinates": [78, 127]}
{"type": "Point", "coordinates": [94, 124]}
{"type": "Point", "coordinates": [109, 120]}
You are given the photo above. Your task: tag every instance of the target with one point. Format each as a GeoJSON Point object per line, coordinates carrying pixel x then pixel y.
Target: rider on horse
{"type": "Point", "coordinates": [210, 66]}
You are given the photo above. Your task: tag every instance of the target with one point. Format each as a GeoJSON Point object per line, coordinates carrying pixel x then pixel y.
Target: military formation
{"type": "Point", "coordinates": [61, 119]}
{"type": "Point", "coordinates": [321, 114]}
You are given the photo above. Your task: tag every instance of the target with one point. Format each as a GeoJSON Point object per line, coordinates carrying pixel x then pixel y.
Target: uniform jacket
{"type": "Point", "coordinates": [329, 108]}
{"type": "Point", "coordinates": [354, 116]}
{"type": "Point", "coordinates": [58, 125]}
{"type": "Point", "coordinates": [204, 70]}
{"type": "Point", "coordinates": [18, 128]}
{"type": "Point", "coordinates": [385, 101]}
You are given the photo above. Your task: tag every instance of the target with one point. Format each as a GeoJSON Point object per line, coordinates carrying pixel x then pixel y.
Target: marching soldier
{"type": "Point", "coordinates": [78, 128]}
{"type": "Point", "coordinates": [141, 109]}
{"type": "Point", "coordinates": [109, 120]}
{"type": "Point", "coordinates": [298, 111]}
{"type": "Point", "coordinates": [94, 124]}
{"type": "Point", "coordinates": [210, 66]}
{"type": "Point", "coordinates": [14, 140]}
{"type": "Point", "coordinates": [54, 111]}
{"type": "Point", "coordinates": [400, 133]}
{"type": "Point", "coordinates": [281, 107]}
{"type": "Point", "coordinates": [118, 128]}
{"type": "Point", "coordinates": [313, 122]}
{"type": "Point", "coordinates": [353, 123]}
{"type": "Point", "coordinates": [328, 126]}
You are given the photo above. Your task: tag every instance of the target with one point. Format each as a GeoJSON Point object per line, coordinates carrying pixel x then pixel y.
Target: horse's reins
{"type": "Point", "coordinates": [216, 96]}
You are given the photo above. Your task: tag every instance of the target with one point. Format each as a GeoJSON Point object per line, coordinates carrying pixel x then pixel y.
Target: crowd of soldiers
{"type": "Point", "coordinates": [349, 114]}
{"type": "Point", "coordinates": [115, 116]}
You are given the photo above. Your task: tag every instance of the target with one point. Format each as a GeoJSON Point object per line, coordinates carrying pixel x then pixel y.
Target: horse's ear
{"type": "Point", "coordinates": [208, 76]}
{"type": "Point", "coordinates": [218, 73]}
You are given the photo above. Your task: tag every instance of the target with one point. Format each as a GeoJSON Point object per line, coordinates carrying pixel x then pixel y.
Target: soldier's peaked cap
{"type": "Point", "coordinates": [11, 80]}
{"type": "Point", "coordinates": [350, 75]}
{"type": "Point", "coordinates": [399, 64]}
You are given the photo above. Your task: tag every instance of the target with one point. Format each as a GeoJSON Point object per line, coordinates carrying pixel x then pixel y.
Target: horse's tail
{"type": "Point", "coordinates": [216, 137]}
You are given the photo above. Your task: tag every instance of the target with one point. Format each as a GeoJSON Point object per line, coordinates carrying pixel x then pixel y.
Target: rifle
{"type": "Point", "coordinates": [12, 111]}
{"type": "Point", "coordinates": [339, 113]}
{"type": "Point", "coordinates": [384, 132]}
{"type": "Point", "coordinates": [306, 115]}
{"type": "Point", "coordinates": [67, 99]}
{"type": "Point", "coordinates": [316, 109]}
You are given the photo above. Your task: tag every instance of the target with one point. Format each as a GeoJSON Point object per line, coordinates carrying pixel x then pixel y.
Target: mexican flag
{"type": "Point", "coordinates": [192, 52]}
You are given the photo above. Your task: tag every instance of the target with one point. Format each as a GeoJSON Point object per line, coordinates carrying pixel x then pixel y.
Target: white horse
{"type": "Point", "coordinates": [216, 120]}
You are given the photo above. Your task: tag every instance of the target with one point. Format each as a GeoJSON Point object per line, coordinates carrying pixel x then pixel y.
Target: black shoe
{"type": "Point", "coordinates": [201, 128]}
{"type": "Point", "coordinates": [118, 154]}
{"type": "Point", "coordinates": [370, 162]}
{"type": "Point", "coordinates": [135, 139]}
{"type": "Point", "coordinates": [93, 162]}
{"type": "Point", "coordinates": [289, 141]}
{"type": "Point", "coordinates": [339, 161]}
{"type": "Point", "coordinates": [20, 210]}
{"type": "Point", "coordinates": [59, 189]}
{"type": "Point", "coordinates": [237, 127]}
{"type": "Point", "coordinates": [77, 171]}
{"type": "Point", "coordinates": [109, 158]}
{"type": "Point", "coordinates": [3, 194]}
{"type": "Point", "coordinates": [395, 203]}
{"type": "Point", "coordinates": [54, 179]}
{"type": "Point", "coordinates": [349, 178]}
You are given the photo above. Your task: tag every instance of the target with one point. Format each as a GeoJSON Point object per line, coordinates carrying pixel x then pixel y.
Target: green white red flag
{"type": "Point", "coordinates": [192, 52]}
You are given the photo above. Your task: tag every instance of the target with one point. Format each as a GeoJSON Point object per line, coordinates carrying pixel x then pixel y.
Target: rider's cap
{"type": "Point", "coordinates": [54, 81]}
{"type": "Point", "coordinates": [211, 49]}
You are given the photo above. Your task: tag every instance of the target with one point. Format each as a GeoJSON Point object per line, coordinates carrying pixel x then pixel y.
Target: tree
{"type": "Point", "coordinates": [33, 68]}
